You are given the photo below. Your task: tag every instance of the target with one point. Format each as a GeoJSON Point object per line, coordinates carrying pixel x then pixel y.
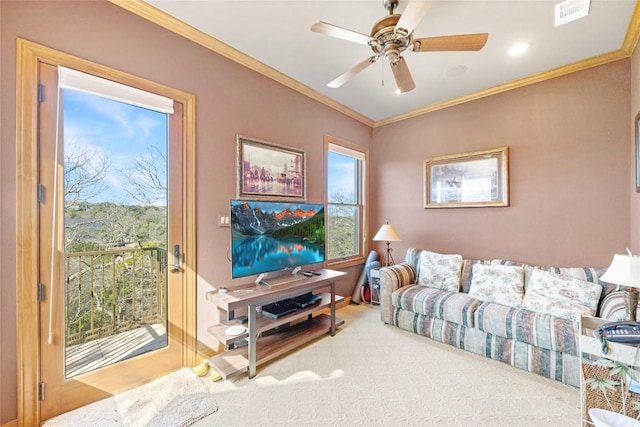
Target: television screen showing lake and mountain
{"type": "Point", "coordinates": [271, 236]}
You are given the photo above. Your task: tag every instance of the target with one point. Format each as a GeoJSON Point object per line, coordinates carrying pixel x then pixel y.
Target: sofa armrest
{"type": "Point", "coordinates": [393, 278]}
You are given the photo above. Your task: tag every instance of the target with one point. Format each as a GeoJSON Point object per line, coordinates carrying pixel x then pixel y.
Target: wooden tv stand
{"type": "Point", "coordinates": [279, 335]}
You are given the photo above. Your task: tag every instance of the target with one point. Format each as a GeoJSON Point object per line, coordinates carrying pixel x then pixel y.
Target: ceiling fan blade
{"type": "Point", "coordinates": [402, 75]}
{"type": "Point", "coordinates": [451, 43]}
{"type": "Point", "coordinates": [341, 33]}
{"type": "Point", "coordinates": [412, 15]}
{"type": "Point", "coordinates": [339, 81]}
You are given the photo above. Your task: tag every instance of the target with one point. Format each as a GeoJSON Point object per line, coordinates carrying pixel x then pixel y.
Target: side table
{"type": "Point", "coordinates": [590, 351]}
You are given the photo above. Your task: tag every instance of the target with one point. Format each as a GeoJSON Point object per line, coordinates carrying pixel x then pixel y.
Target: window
{"type": "Point", "coordinates": [346, 213]}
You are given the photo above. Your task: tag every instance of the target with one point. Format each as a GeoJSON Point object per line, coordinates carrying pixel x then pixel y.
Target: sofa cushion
{"type": "Point", "coordinates": [440, 271]}
{"type": "Point", "coordinates": [501, 284]}
{"type": "Point", "coordinates": [538, 329]}
{"type": "Point", "coordinates": [505, 262]}
{"type": "Point", "coordinates": [455, 307]}
{"type": "Point", "coordinates": [613, 308]}
{"type": "Point", "coordinates": [412, 257]}
{"type": "Point", "coordinates": [561, 296]}
{"type": "Point", "coordinates": [466, 277]}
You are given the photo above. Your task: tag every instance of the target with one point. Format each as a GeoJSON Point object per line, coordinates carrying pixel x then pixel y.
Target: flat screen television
{"type": "Point", "coordinates": [271, 236]}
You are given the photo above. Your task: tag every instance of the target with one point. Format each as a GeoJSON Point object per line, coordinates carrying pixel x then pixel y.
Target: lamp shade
{"type": "Point", "coordinates": [387, 233]}
{"type": "Point", "coordinates": [624, 270]}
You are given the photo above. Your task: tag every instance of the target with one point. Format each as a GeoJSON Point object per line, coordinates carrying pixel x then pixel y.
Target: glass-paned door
{"type": "Point", "coordinates": [111, 208]}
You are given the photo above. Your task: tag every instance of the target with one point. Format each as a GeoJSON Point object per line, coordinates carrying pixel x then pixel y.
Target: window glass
{"type": "Point", "coordinates": [341, 187]}
{"type": "Point", "coordinates": [345, 202]}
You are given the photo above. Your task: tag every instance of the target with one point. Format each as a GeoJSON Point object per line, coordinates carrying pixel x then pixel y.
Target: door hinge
{"type": "Point", "coordinates": [40, 391]}
{"type": "Point", "coordinates": [40, 92]}
{"type": "Point", "coordinates": [40, 292]}
{"type": "Point", "coordinates": [40, 193]}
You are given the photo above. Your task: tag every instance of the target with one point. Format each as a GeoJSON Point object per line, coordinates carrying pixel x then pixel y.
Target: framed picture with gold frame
{"type": "Point", "coordinates": [269, 171]}
{"type": "Point", "coordinates": [474, 179]}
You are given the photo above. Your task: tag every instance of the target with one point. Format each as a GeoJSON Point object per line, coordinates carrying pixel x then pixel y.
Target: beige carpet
{"type": "Point", "coordinates": [176, 400]}
{"type": "Point", "coordinates": [374, 374]}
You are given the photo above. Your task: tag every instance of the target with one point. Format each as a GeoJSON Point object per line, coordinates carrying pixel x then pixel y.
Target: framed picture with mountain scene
{"type": "Point", "coordinates": [474, 179]}
{"type": "Point", "coordinates": [269, 171]}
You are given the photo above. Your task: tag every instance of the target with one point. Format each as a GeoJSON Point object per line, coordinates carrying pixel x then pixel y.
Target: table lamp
{"type": "Point", "coordinates": [388, 234]}
{"type": "Point", "coordinates": [625, 270]}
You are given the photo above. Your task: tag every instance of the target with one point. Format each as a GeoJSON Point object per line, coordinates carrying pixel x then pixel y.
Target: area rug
{"type": "Point", "coordinates": [176, 400]}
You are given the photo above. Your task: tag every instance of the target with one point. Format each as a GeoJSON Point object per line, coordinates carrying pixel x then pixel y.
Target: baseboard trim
{"type": "Point", "coordinates": [13, 423]}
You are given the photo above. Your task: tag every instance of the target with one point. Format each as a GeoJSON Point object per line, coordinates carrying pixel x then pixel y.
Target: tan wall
{"type": "Point", "coordinates": [230, 100]}
{"type": "Point", "coordinates": [569, 172]}
{"type": "Point", "coordinates": [635, 110]}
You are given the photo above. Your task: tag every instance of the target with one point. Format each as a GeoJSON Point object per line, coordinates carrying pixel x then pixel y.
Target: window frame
{"type": "Point", "coordinates": [344, 147]}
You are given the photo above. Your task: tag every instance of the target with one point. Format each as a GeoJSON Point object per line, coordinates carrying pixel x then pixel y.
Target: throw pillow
{"type": "Point", "coordinates": [561, 296]}
{"type": "Point", "coordinates": [613, 307]}
{"type": "Point", "coordinates": [440, 271]}
{"type": "Point", "coordinates": [501, 284]}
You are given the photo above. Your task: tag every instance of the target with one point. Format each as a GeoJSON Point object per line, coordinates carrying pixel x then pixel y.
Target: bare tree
{"type": "Point", "coordinates": [148, 178]}
{"type": "Point", "coordinates": [84, 173]}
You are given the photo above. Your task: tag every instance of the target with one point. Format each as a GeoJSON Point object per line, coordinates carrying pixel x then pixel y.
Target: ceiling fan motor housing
{"type": "Point", "coordinates": [389, 42]}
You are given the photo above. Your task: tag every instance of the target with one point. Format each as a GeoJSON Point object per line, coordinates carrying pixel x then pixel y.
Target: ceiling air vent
{"type": "Point", "coordinates": [571, 10]}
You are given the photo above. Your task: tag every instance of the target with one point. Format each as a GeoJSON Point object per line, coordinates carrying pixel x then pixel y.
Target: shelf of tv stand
{"type": "Point", "coordinates": [276, 336]}
{"type": "Point", "coordinates": [271, 346]}
{"type": "Point", "coordinates": [264, 323]}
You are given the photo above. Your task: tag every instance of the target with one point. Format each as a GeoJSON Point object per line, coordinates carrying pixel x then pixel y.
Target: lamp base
{"type": "Point", "coordinates": [631, 303]}
{"type": "Point", "coordinates": [388, 259]}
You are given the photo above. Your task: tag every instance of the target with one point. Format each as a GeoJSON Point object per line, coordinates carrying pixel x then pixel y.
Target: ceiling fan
{"type": "Point", "coordinates": [392, 35]}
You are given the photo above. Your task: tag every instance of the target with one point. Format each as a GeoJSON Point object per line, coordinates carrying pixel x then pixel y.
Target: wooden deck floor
{"type": "Point", "coordinates": [86, 357]}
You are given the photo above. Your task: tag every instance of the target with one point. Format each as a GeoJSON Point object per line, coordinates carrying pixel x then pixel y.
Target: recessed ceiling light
{"type": "Point", "coordinates": [518, 49]}
{"type": "Point", "coordinates": [458, 70]}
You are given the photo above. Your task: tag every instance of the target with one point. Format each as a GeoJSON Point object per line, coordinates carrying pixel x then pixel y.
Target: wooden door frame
{"type": "Point", "coordinates": [29, 55]}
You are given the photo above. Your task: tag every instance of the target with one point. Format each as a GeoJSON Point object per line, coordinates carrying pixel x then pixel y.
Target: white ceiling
{"type": "Point", "coordinates": [277, 33]}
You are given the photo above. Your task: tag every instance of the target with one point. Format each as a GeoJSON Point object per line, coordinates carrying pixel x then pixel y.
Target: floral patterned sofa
{"type": "Point", "coordinates": [526, 316]}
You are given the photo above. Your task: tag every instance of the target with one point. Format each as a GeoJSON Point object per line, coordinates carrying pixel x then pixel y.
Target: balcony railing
{"type": "Point", "coordinates": [114, 291]}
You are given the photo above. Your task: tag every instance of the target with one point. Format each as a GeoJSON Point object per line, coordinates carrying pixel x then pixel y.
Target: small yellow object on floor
{"type": "Point", "coordinates": [202, 369]}
{"type": "Point", "coordinates": [215, 376]}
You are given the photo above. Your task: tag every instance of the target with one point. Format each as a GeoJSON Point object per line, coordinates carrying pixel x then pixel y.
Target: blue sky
{"type": "Point", "coordinates": [341, 173]}
{"type": "Point", "coordinates": [115, 131]}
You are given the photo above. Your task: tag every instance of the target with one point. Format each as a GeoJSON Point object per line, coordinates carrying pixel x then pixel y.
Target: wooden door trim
{"type": "Point", "coordinates": [29, 55]}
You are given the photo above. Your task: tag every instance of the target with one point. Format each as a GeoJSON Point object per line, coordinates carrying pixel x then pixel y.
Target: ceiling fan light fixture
{"type": "Point", "coordinates": [391, 53]}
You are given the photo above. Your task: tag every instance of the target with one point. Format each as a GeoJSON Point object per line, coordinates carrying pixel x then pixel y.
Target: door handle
{"type": "Point", "coordinates": [176, 260]}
